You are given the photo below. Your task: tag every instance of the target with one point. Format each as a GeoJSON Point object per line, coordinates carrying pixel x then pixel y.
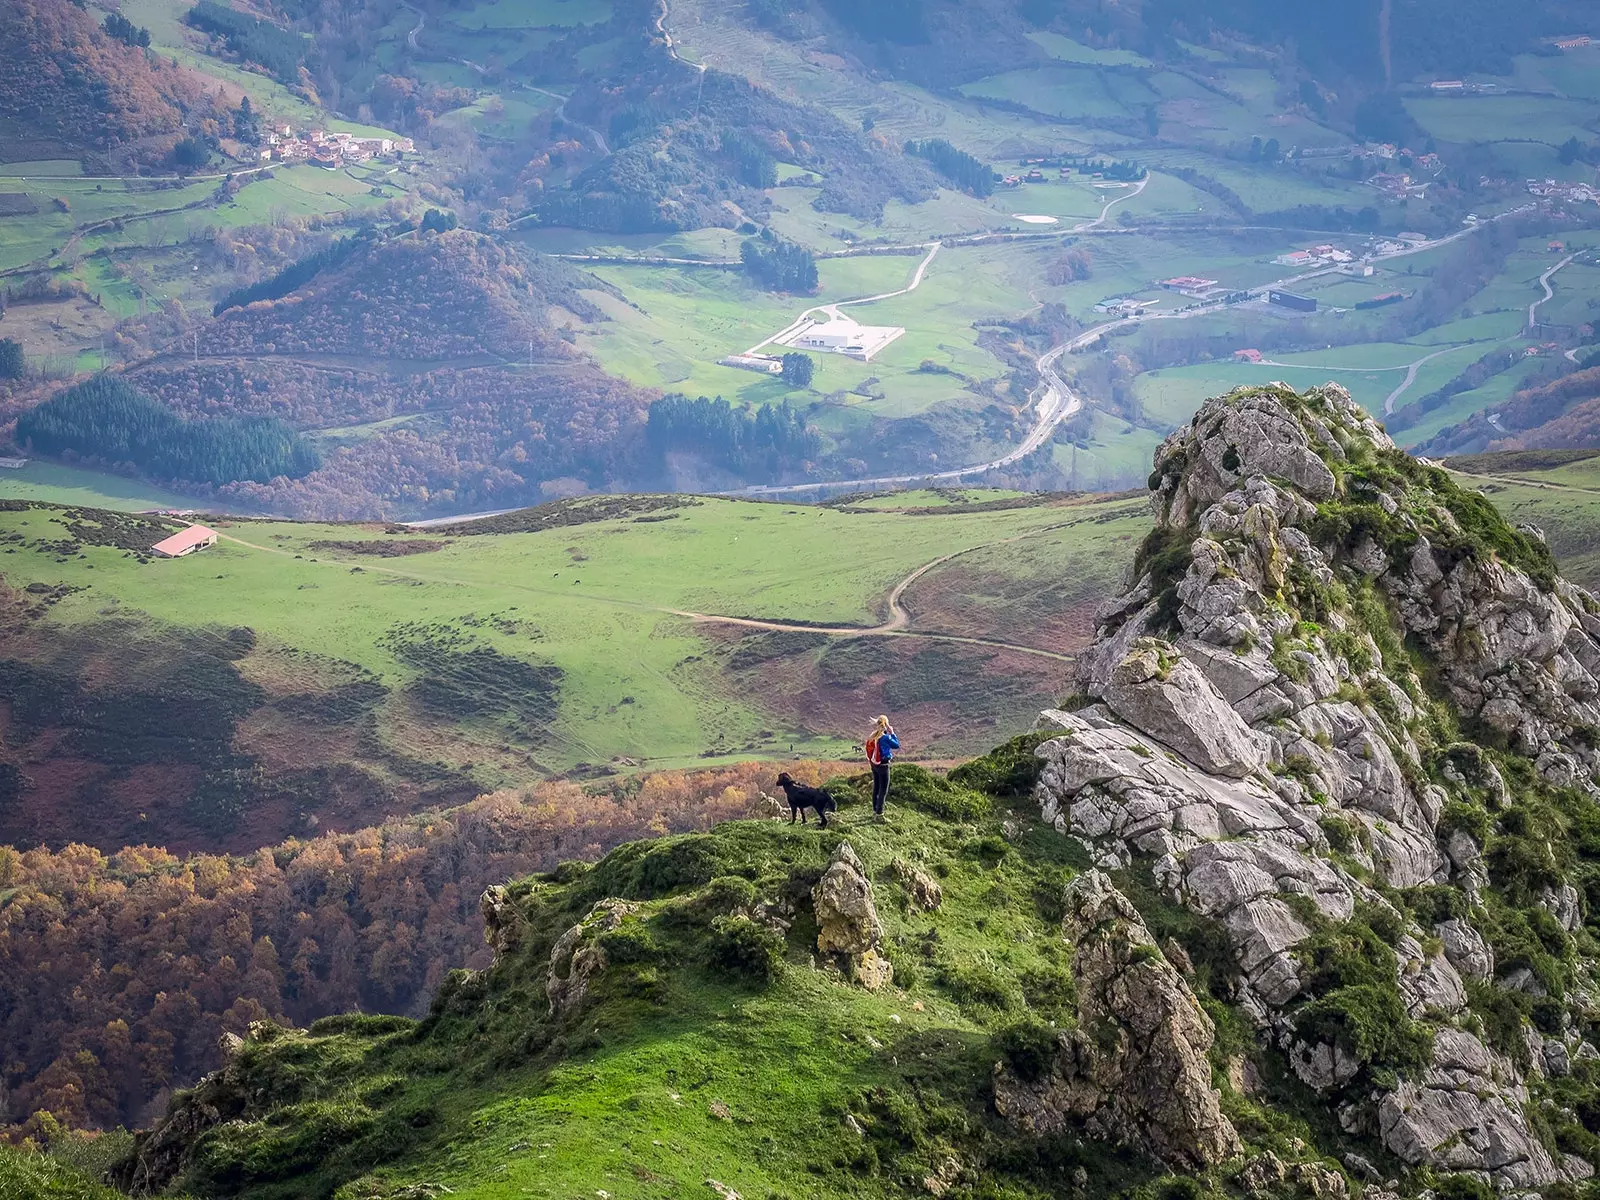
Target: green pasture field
{"type": "Point", "coordinates": [599, 600]}
{"type": "Point", "coordinates": [30, 238]}
{"type": "Point", "coordinates": [1574, 73]}
{"type": "Point", "coordinates": [686, 319]}
{"type": "Point", "coordinates": [1565, 503]}
{"type": "Point", "coordinates": [1577, 295]}
{"type": "Point", "coordinates": [1065, 91]}
{"type": "Point", "coordinates": [1266, 189]}
{"type": "Point", "coordinates": [1114, 454]}
{"type": "Point", "coordinates": [1174, 393]}
{"type": "Point", "coordinates": [1503, 118]}
{"type": "Point", "coordinates": [42, 168]}
{"type": "Point", "coordinates": [709, 244]}
{"type": "Point", "coordinates": [948, 212]}
{"type": "Point", "coordinates": [1481, 327]}
{"type": "Point", "coordinates": [1067, 50]}
{"type": "Point", "coordinates": [54, 483]}
{"type": "Point", "coordinates": [1463, 404]}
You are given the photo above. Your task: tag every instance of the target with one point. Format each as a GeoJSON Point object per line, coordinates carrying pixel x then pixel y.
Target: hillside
{"type": "Point", "coordinates": [375, 918]}
{"type": "Point", "coordinates": [1559, 415]}
{"type": "Point", "coordinates": [300, 678]}
{"type": "Point", "coordinates": [68, 88]}
{"type": "Point", "coordinates": [438, 360]}
{"type": "Point", "coordinates": [1290, 898]}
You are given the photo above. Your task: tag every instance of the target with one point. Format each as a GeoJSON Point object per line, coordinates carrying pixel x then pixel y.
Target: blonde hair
{"type": "Point", "coordinates": [880, 724]}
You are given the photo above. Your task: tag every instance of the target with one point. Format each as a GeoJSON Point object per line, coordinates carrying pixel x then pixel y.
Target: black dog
{"type": "Point", "coordinates": [802, 797]}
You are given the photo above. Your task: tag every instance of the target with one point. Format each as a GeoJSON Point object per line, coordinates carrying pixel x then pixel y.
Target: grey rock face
{"type": "Point", "coordinates": [1144, 1079]}
{"type": "Point", "coordinates": [1163, 695]}
{"type": "Point", "coordinates": [1237, 748]}
{"type": "Point", "coordinates": [1466, 1114]}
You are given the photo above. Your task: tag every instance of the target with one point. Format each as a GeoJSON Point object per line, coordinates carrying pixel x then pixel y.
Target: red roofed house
{"type": "Point", "coordinates": [196, 537]}
{"type": "Point", "coordinates": [1253, 356]}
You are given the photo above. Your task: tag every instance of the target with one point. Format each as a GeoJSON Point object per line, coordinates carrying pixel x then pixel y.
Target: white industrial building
{"type": "Point", "coordinates": [841, 335]}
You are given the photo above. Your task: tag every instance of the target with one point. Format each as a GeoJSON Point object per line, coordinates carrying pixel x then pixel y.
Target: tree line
{"type": "Point", "coordinates": [252, 39]}
{"type": "Point", "coordinates": [744, 439]}
{"type": "Point", "coordinates": [960, 168]}
{"type": "Point", "coordinates": [299, 272]}
{"type": "Point", "coordinates": [118, 973]}
{"type": "Point", "coordinates": [104, 418]}
{"type": "Point", "coordinates": [779, 265]}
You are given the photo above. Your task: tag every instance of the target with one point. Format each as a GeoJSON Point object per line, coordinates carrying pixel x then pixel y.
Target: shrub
{"type": "Point", "coordinates": [1010, 769]}
{"type": "Point", "coordinates": [940, 796]}
{"type": "Point", "coordinates": [12, 363]}
{"type": "Point", "coordinates": [745, 949]}
{"type": "Point", "coordinates": [1028, 1047]}
{"type": "Point", "coordinates": [628, 943]}
{"type": "Point", "coordinates": [1463, 1187]}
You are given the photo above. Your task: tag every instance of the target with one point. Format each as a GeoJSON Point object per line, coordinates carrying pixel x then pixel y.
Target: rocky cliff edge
{"type": "Point", "coordinates": [1348, 714]}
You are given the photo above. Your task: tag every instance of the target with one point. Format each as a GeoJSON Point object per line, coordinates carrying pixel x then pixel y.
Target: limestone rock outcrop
{"type": "Point", "coordinates": [160, 1155]}
{"type": "Point", "coordinates": [578, 958]}
{"type": "Point", "coordinates": [847, 919]}
{"type": "Point", "coordinates": [1134, 1070]}
{"type": "Point", "coordinates": [1257, 736]}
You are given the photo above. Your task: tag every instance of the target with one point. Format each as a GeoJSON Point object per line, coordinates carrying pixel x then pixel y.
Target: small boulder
{"type": "Point", "coordinates": [847, 919]}
{"type": "Point", "coordinates": [923, 892]}
{"type": "Point", "coordinates": [577, 957]}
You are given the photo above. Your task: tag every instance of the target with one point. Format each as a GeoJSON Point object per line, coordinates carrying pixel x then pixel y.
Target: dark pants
{"type": "Point", "coordinates": [880, 786]}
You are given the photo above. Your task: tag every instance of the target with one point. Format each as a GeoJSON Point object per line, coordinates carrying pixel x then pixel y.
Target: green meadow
{"type": "Point", "coordinates": [603, 600]}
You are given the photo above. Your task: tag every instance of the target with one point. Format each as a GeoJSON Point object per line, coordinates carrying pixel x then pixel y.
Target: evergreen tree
{"type": "Point", "coordinates": [778, 265]}
{"type": "Point", "coordinates": [798, 369]}
{"type": "Point", "coordinates": [11, 360]}
{"type": "Point", "coordinates": [960, 168]}
{"type": "Point", "coordinates": [246, 123]}
{"type": "Point", "coordinates": [107, 419]}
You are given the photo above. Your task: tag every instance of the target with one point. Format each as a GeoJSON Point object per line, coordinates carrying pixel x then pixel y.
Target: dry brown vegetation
{"type": "Point", "coordinates": [65, 86]}
{"type": "Point", "coordinates": [119, 972]}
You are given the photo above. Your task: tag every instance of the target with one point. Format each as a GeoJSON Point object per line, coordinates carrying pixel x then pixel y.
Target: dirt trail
{"type": "Point", "coordinates": [897, 623]}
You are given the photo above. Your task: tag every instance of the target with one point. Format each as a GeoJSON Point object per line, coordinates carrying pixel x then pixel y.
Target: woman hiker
{"type": "Point", "coordinates": [881, 745]}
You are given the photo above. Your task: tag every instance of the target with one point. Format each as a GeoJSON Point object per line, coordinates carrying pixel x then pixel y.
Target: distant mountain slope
{"type": "Point", "coordinates": [453, 330]}
{"type": "Point", "coordinates": [1562, 414]}
{"type": "Point", "coordinates": [691, 150]}
{"type": "Point", "coordinates": [66, 87]}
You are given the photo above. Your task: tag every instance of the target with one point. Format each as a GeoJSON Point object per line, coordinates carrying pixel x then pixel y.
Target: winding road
{"type": "Point", "coordinates": [1549, 292]}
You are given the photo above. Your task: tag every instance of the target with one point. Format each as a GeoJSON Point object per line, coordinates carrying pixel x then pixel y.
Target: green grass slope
{"type": "Point", "coordinates": [709, 1049]}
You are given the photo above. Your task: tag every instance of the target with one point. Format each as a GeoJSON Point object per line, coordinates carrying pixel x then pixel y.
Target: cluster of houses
{"type": "Point", "coordinates": [1035, 175]}
{"type": "Point", "coordinates": [1325, 255]}
{"type": "Point", "coordinates": [1555, 189]}
{"type": "Point", "coordinates": [331, 150]}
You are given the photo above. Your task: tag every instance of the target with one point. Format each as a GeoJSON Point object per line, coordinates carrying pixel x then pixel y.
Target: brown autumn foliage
{"type": "Point", "coordinates": [119, 973]}
{"type": "Point", "coordinates": [65, 83]}
{"type": "Point", "coordinates": [463, 314]}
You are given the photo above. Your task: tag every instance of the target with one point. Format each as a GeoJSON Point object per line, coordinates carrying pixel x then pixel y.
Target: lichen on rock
{"type": "Point", "coordinates": [847, 920]}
